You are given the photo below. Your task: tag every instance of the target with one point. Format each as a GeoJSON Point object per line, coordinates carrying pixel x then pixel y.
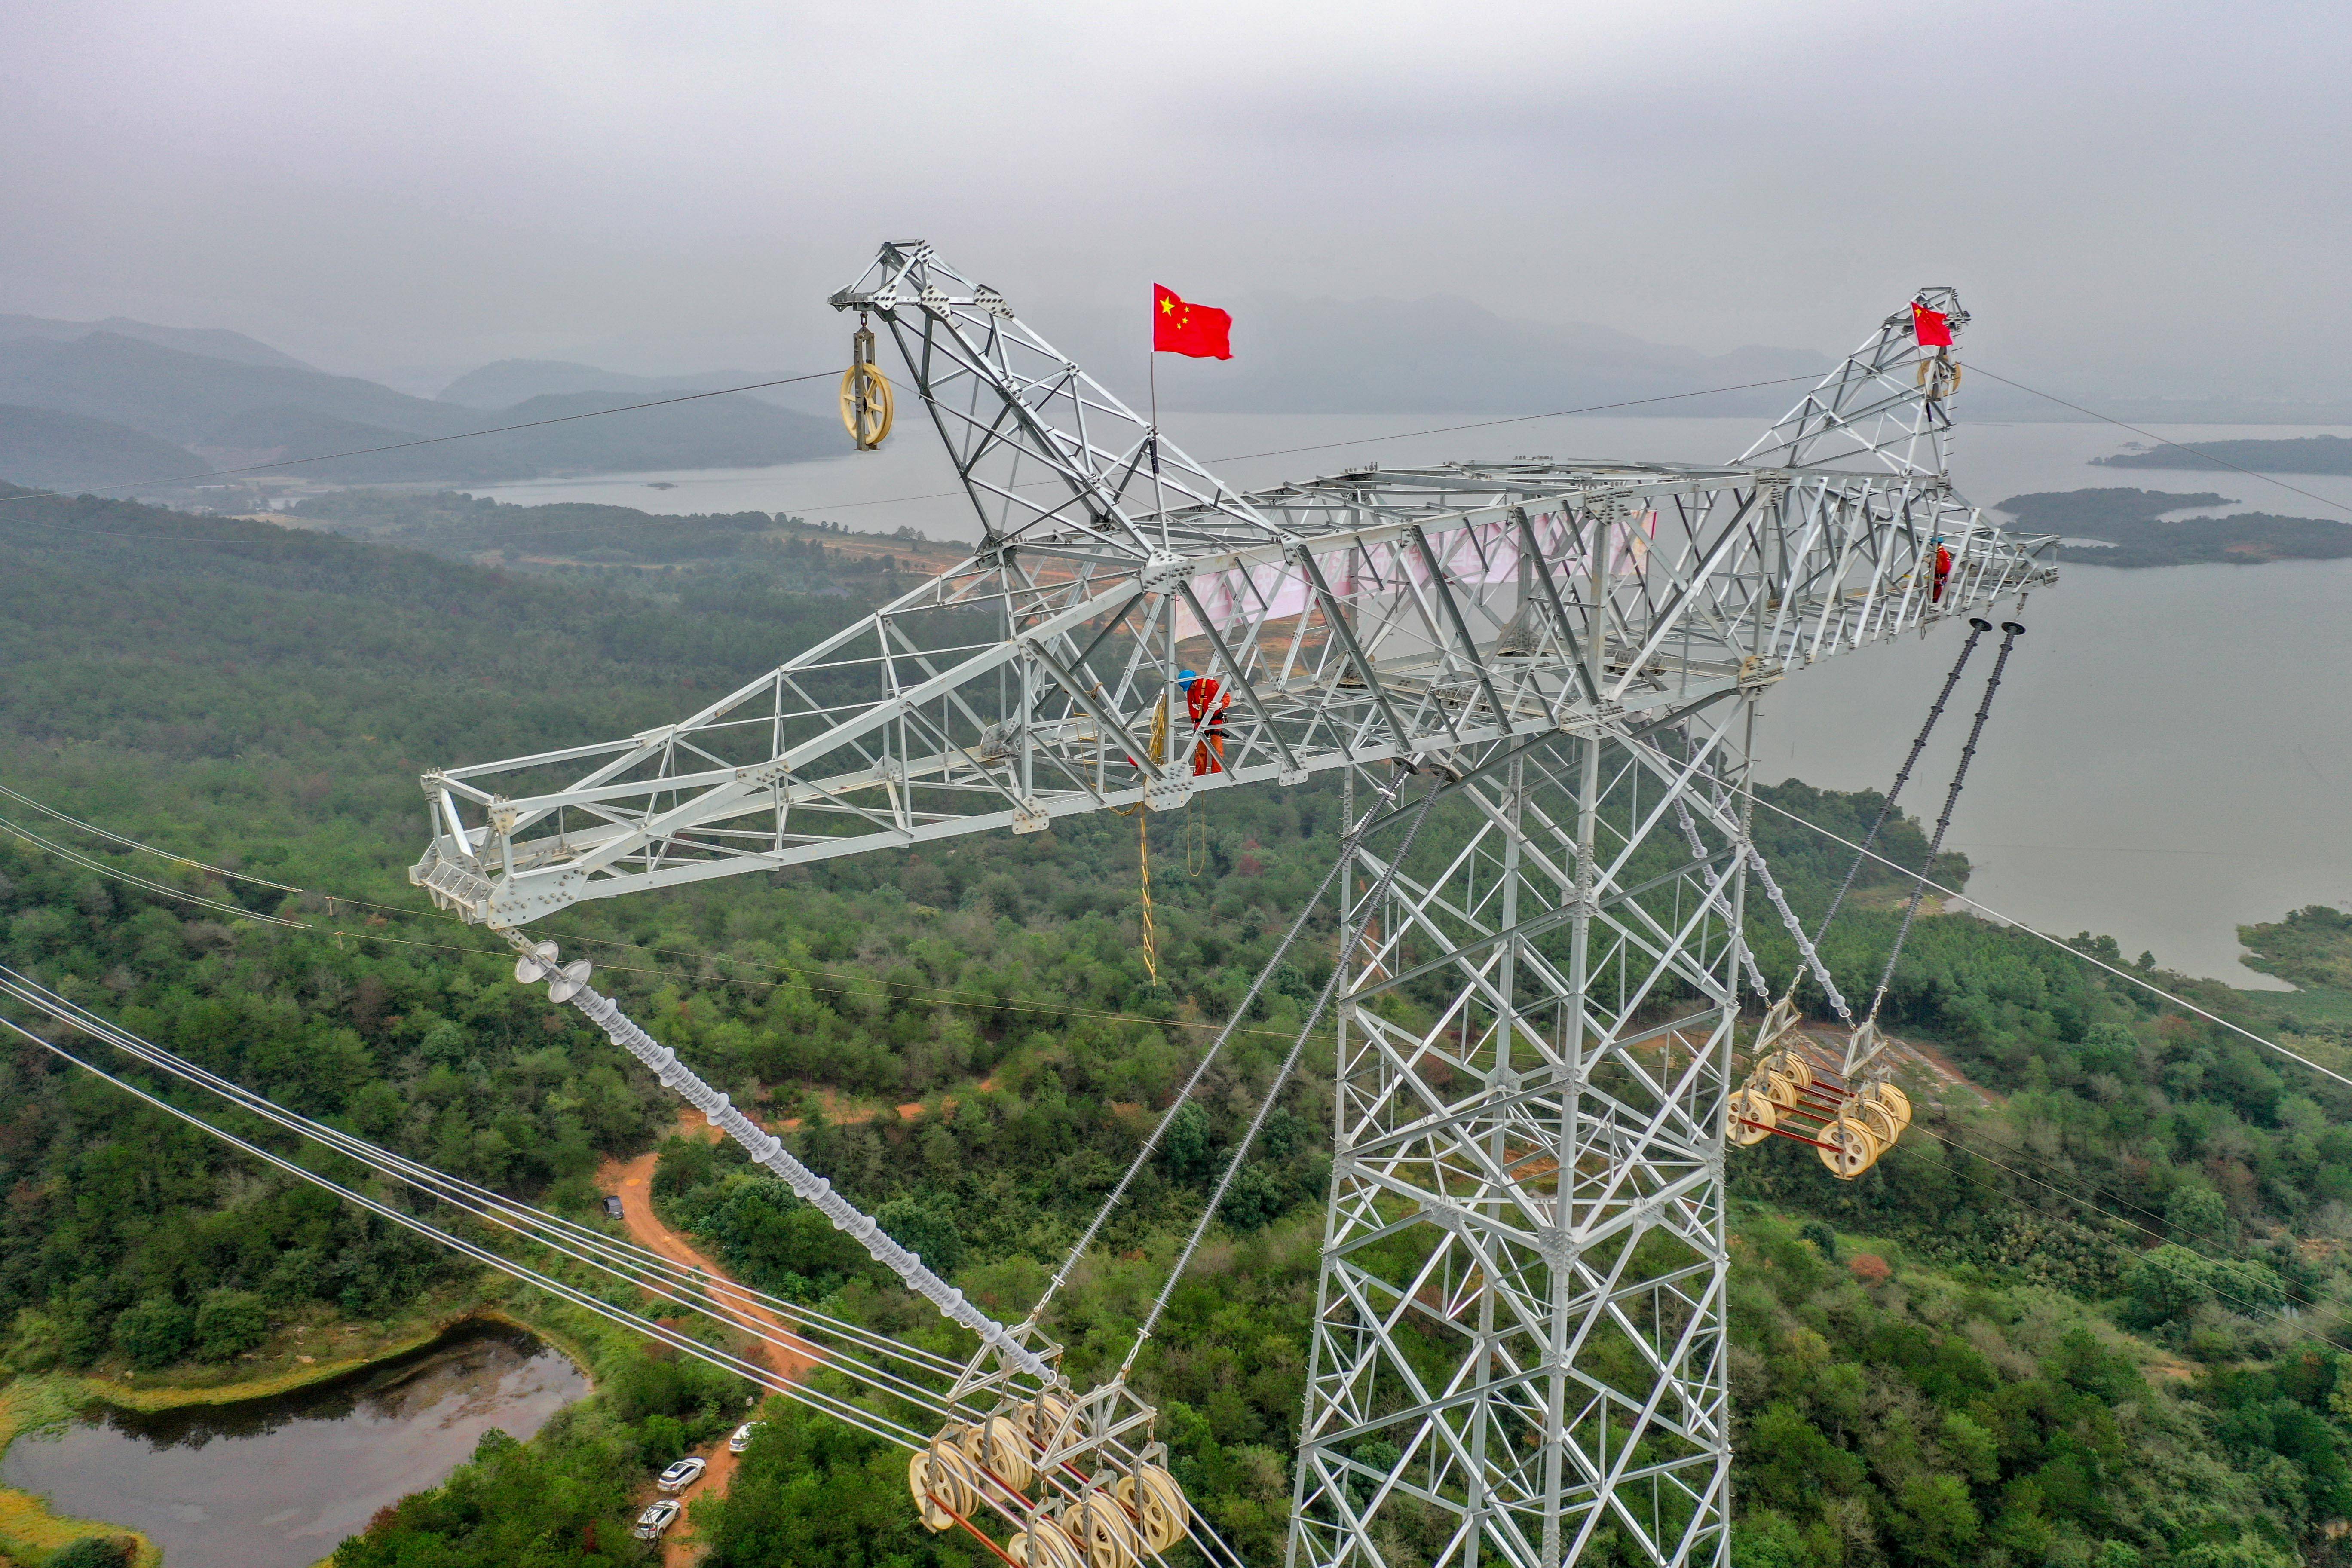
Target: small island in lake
{"type": "Point", "coordinates": [2292, 455]}
{"type": "Point", "coordinates": [2136, 532]}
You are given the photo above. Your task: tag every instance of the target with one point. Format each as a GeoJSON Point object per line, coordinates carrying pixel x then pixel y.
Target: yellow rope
{"type": "Point", "coordinates": [1151, 932]}
{"type": "Point", "coordinates": [1143, 845]}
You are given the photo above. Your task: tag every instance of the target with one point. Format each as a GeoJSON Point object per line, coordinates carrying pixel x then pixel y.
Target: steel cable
{"type": "Point", "coordinates": [827, 1403]}
{"type": "Point", "coordinates": [1348, 945]}
{"type": "Point", "coordinates": [552, 1231]}
{"type": "Point", "coordinates": [66, 1011]}
{"type": "Point", "coordinates": [38, 494]}
{"type": "Point", "coordinates": [1184, 1094]}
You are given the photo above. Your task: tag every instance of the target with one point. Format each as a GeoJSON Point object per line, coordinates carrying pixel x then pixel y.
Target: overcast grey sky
{"type": "Point", "coordinates": [2131, 197]}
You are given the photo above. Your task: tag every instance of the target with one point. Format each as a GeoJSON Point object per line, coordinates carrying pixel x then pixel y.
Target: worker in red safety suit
{"type": "Point", "coordinates": [1943, 571]}
{"type": "Point", "coordinates": [1206, 701]}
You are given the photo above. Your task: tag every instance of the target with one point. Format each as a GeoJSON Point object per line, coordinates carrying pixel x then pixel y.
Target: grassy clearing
{"type": "Point", "coordinates": [29, 1532]}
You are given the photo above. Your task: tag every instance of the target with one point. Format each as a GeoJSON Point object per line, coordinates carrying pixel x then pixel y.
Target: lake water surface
{"type": "Point", "coordinates": [2172, 746]}
{"type": "Point", "coordinates": [277, 1483]}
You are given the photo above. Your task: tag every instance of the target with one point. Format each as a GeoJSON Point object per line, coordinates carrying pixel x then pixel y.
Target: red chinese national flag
{"type": "Point", "coordinates": [1200, 330]}
{"type": "Point", "coordinates": [1931, 328]}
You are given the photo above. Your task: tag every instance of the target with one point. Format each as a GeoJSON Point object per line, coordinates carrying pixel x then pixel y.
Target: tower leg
{"type": "Point", "coordinates": [1518, 1342]}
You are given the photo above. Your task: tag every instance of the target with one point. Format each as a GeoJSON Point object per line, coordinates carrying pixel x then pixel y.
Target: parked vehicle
{"type": "Point", "coordinates": [743, 1438]}
{"type": "Point", "coordinates": [683, 1474]}
{"type": "Point", "coordinates": [658, 1516]}
{"type": "Point", "coordinates": [613, 1207]}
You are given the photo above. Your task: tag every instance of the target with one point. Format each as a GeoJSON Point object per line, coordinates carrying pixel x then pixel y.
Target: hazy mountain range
{"type": "Point", "coordinates": [115, 402]}
{"type": "Point", "coordinates": [109, 407]}
{"type": "Point", "coordinates": [212, 342]}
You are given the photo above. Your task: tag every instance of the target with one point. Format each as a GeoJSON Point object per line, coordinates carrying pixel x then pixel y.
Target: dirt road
{"type": "Point", "coordinates": [632, 1183]}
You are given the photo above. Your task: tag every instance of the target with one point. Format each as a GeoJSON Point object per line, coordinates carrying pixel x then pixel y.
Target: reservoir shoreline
{"type": "Point", "coordinates": [45, 1402]}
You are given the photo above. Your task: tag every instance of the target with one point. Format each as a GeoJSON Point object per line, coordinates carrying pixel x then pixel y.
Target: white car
{"type": "Point", "coordinates": [658, 1517]}
{"type": "Point", "coordinates": [743, 1438]}
{"type": "Point", "coordinates": [683, 1474]}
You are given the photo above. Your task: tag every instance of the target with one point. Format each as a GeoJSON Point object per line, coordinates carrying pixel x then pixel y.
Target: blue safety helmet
{"type": "Point", "coordinates": [1184, 679]}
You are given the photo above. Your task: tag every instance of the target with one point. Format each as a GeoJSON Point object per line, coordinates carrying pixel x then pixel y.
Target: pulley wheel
{"type": "Point", "coordinates": [953, 1479]}
{"type": "Point", "coordinates": [1750, 1119]}
{"type": "Point", "coordinates": [1158, 1504]}
{"type": "Point", "coordinates": [1878, 1120]}
{"type": "Point", "coordinates": [997, 1444]}
{"type": "Point", "coordinates": [918, 1483]}
{"type": "Point", "coordinates": [1847, 1148]}
{"type": "Point", "coordinates": [1938, 378]}
{"type": "Point", "coordinates": [1110, 1537]}
{"type": "Point", "coordinates": [1045, 1545]}
{"type": "Point", "coordinates": [1897, 1103]}
{"type": "Point", "coordinates": [866, 407]}
{"type": "Point", "coordinates": [1780, 1090]}
{"type": "Point", "coordinates": [1040, 1418]}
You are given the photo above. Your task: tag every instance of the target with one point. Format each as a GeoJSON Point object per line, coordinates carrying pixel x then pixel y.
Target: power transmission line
{"type": "Point", "coordinates": [850, 980]}
{"type": "Point", "coordinates": [430, 441]}
{"type": "Point", "coordinates": [2058, 943]}
{"type": "Point", "coordinates": [846, 506]}
{"type": "Point", "coordinates": [2176, 446]}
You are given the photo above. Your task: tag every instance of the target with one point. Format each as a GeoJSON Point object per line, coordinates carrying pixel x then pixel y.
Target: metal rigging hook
{"type": "Point", "coordinates": [866, 401]}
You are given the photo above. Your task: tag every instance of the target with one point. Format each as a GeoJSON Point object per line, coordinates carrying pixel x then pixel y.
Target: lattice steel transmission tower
{"type": "Point", "coordinates": [1518, 1334]}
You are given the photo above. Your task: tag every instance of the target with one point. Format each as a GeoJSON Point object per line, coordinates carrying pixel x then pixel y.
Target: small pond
{"type": "Point", "coordinates": [276, 1483]}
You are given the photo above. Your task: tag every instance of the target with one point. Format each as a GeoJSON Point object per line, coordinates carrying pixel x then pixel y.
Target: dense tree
{"type": "Point", "coordinates": [1930, 1365]}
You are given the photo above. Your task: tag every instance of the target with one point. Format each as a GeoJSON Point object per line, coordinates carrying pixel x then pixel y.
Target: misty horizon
{"type": "Point", "coordinates": [411, 194]}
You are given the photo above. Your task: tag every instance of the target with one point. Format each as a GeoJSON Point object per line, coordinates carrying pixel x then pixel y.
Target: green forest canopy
{"type": "Point", "coordinates": [2047, 1328]}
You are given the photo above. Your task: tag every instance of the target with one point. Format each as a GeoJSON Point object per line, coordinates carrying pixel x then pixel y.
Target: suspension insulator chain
{"type": "Point", "coordinates": [1797, 931]}
{"type": "Point", "coordinates": [2010, 631]}
{"type": "Point", "coordinates": [1870, 1113]}
{"type": "Point", "coordinates": [570, 984]}
{"type": "Point", "coordinates": [1698, 852]}
{"type": "Point", "coordinates": [966, 1467]}
{"type": "Point", "coordinates": [1977, 629]}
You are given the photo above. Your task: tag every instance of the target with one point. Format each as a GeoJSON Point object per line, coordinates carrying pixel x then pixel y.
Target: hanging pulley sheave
{"type": "Point", "coordinates": [865, 403]}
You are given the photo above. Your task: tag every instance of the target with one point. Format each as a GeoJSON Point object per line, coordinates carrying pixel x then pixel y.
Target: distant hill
{"type": "Point", "coordinates": [2140, 536]}
{"type": "Point", "coordinates": [234, 414]}
{"type": "Point", "coordinates": [2295, 455]}
{"type": "Point", "coordinates": [212, 342]}
{"type": "Point", "coordinates": [185, 397]}
{"type": "Point", "coordinates": [731, 431]}
{"type": "Point", "coordinates": [42, 448]}
{"type": "Point", "coordinates": [512, 380]}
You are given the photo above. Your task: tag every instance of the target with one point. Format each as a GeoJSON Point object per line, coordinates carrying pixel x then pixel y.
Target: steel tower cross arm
{"type": "Point", "coordinates": [1364, 617]}
{"type": "Point", "coordinates": [1019, 417]}
{"type": "Point", "coordinates": [1876, 408]}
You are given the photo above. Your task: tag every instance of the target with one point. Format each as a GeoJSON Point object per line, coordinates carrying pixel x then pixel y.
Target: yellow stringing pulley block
{"type": "Point", "coordinates": [866, 401]}
{"type": "Point", "coordinates": [1850, 1138]}
{"type": "Point", "coordinates": [1113, 1523]}
{"type": "Point", "coordinates": [1867, 1126]}
{"type": "Point", "coordinates": [1939, 376]}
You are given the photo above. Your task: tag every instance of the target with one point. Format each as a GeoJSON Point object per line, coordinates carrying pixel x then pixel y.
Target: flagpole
{"type": "Point", "coordinates": [1153, 375]}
